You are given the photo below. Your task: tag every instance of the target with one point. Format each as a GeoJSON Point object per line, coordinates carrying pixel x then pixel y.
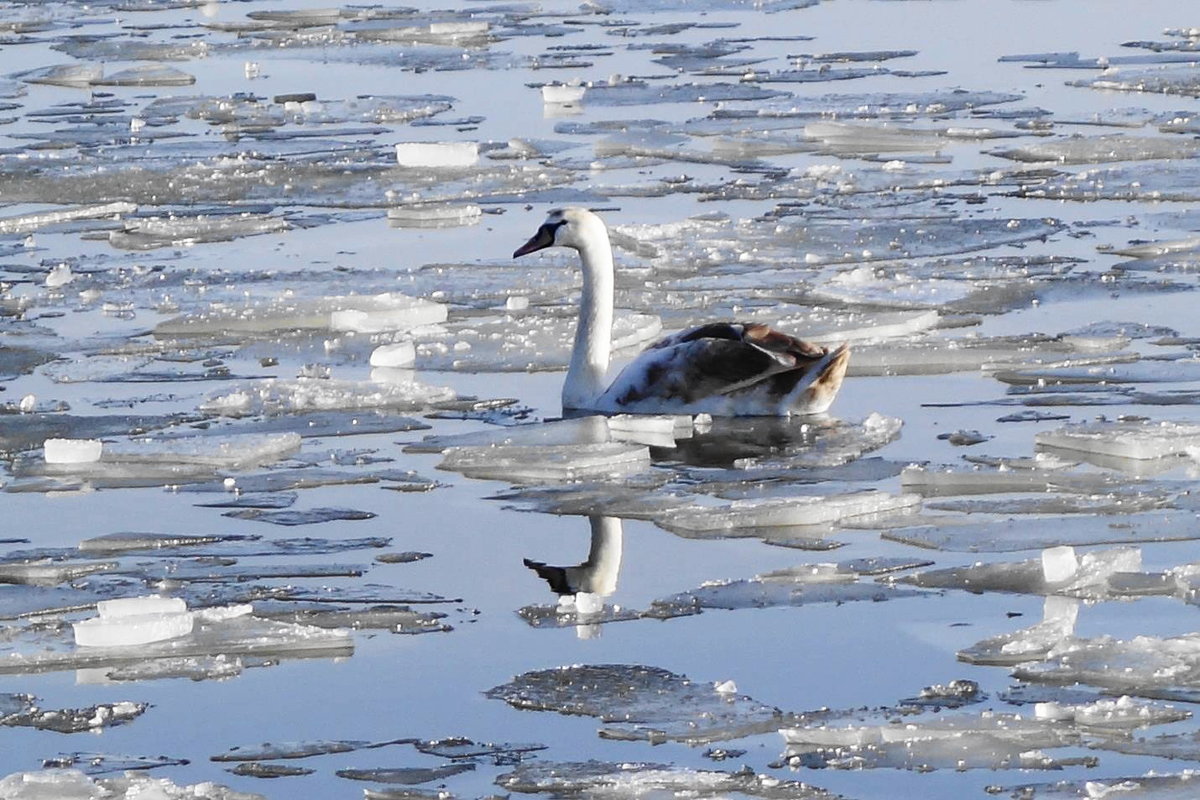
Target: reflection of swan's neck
{"type": "Point", "coordinates": [593, 337]}
{"type": "Point", "coordinates": [599, 573]}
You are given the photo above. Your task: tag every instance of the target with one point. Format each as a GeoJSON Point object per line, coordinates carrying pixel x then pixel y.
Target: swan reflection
{"type": "Point", "coordinates": [582, 588]}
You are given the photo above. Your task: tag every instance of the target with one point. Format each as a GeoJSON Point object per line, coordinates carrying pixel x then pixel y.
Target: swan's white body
{"type": "Point", "coordinates": [722, 368]}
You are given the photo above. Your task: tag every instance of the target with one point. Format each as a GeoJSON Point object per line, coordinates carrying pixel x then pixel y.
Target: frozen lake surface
{"type": "Point", "coordinates": [290, 508]}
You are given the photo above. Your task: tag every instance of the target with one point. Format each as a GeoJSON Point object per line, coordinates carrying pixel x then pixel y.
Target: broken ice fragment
{"type": "Point", "coordinates": [407, 776]}
{"type": "Point", "coordinates": [775, 512]}
{"type": "Point", "coordinates": [1136, 440]}
{"type": "Point", "coordinates": [72, 784]}
{"type": "Point", "coordinates": [433, 215]}
{"type": "Point", "coordinates": [1010, 535]}
{"type": "Point", "coordinates": [134, 621]}
{"type": "Point", "coordinates": [437, 155]}
{"type": "Point", "coordinates": [601, 779]}
{"type": "Point", "coordinates": [390, 311]}
{"type": "Point", "coordinates": [307, 517]}
{"type": "Point", "coordinates": [269, 751]}
{"type": "Point", "coordinates": [255, 769]}
{"type": "Point", "coordinates": [534, 463]}
{"type": "Point", "coordinates": [122, 542]}
{"type": "Point", "coordinates": [651, 703]}
{"type": "Point", "coordinates": [73, 451]}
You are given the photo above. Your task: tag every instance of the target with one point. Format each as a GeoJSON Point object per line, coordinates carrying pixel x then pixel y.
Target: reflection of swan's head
{"type": "Point", "coordinates": [573, 227]}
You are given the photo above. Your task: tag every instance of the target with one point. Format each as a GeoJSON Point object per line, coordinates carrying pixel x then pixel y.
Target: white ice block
{"type": "Point", "coordinates": [72, 451]}
{"type": "Point", "coordinates": [562, 93]}
{"type": "Point", "coordinates": [139, 606]}
{"type": "Point", "coordinates": [785, 511]}
{"type": "Point", "coordinates": [289, 313]}
{"type": "Point", "coordinates": [1137, 440]}
{"type": "Point", "coordinates": [400, 354]}
{"type": "Point", "coordinates": [1059, 563]}
{"type": "Point", "coordinates": [392, 312]}
{"type": "Point", "coordinates": [129, 631]}
{"type": "Point", "coordinates": [434, 215]}
{"type": "Point", "coordinates": [437, 155]}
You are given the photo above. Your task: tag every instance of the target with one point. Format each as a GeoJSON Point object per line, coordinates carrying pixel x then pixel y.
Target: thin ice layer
{"type": "Point", "coordinates": [644, 702]}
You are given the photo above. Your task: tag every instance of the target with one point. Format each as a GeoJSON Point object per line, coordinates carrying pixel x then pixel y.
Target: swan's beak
{"type": "Point", "coordinates": [541, 240]}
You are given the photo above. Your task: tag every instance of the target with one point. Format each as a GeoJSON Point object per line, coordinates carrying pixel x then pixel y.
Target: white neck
{"type": "Point", "coordinates": [598, 574]}
{"type": "Point", "coordinates": [593, 337]}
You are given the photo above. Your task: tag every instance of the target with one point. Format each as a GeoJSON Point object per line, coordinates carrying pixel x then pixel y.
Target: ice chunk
{"type": "Point", "coordinates": [934, 480]}
{"type": "Point", "coordinates": [1058, 570]}
{"type": "Point", "coordinates": [649, 703]}
{"type": "Point", "coordinates": [405, 776]}
{"type": "Point", "coordinates": [400, 354]}
{"type": "Point", "coordinates": [563, 93]}
{"type": "Point", "coordinates": [776, 512]}
{"type": "Point", "coordinates": [434, 215]}
{"type": "Point", "coordinates": [154, 232]}
{"type": "Point", "coordinates": [437, 155]}
{"type": "Point", "coordinates": [1180, 786]}
{"type": "Point", "coordinates": [1094, 150]}
{"type": "Point", "coordinates": [73, 451]}
{"type": "Point", "coordinates": [388, 311]}
{"type": "Point", "coordinates": [1059, 564]}
{"type": "Point", "coordinates": [303, 395]}
{"type": "Point", "coordinates": [71, 784]}
{"type": "Point", "coordinates": [230, 631]}
{"type": "Point", "coordinates": [1010, 535]}
{"type": "Point", "coordinates": [1057, 627]}
{"type": "Point", "coordinates": [598, 778]}
{"type": "Point", "coordinates": [1136, 440]}
{"type": "Point", "coordinates": [977, 741]}
{"type": "Point", "coordinates": [799, 587]}
{"type": "Point", "coordinates": [533, 463]}
{"type": "Point", "coordinates": [307, 517]}
{"type": "Point", "coordinates": [71, 75]}
{"type": "Point", "coordinates": [146, 75]}
{"type": "Point", "coordinates": [134, 621]}
{"type": "Point", "coordinates": [1150, 666]}
{"type": "Point", "coordinates": [26, 223]}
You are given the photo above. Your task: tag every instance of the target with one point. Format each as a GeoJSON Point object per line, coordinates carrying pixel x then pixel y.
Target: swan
{"type": "Point", "coordinates": [737, 369]}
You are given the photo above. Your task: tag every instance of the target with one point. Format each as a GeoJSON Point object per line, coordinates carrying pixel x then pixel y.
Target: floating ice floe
{"type": "Point", "coordinates": [437, 155]}
{"type": "Point", "coordinates": [72, 783]}
{"type": "Point", "coordinates": [229, 631]}
{"type": "Point", "coordinates": [743, 516]}
{"type": "Point", "coordinates": [387, 312]}
{"type": "Point", "coordinates": [538, 463]}
{"type": "Point", "coordinates": [134, 621]}
{"type": "Point", "coordinates": [1059, 570]}
{"type": "Point", "coordinates": [1134, 440]}
{"type": "Point", "coordinates": [598, 778]}
{"type": "Point", "coordinates": [153, 232]}
{"type": "Point", "coordinates": [1032, 534]}
{"type": "Point", "coordinates": [301, 395]}
{"type": "Point", "coordinates": [434, 215]}
{"type": "Point", "coordinates": [977, 741]}
{"type": "Point", "coordinates": [647, 703]}
{"type": "Point", "coordinates": [1154, 786]}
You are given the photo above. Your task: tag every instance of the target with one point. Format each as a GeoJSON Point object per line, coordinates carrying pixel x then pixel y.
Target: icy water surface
{"type": "Point", "coordinates": [289, 506]}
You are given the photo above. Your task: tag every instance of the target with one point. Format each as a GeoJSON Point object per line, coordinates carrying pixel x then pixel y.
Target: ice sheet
{"type": "Point", "coordinates": [644, 702]}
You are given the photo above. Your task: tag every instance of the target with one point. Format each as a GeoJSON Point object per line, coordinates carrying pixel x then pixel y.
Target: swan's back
{"type": "Point", "coordinates": [728, 369]}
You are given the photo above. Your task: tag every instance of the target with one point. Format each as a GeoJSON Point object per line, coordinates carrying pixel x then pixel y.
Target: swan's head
{"type": "Point", "coordinates": [566, 227]}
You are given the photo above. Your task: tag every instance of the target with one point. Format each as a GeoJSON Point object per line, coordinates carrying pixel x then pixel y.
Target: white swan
{"type": "Point", "coordinates": [722, 368]}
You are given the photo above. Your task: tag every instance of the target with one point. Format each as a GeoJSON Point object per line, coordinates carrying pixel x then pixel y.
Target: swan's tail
{"type": "Point", "coordinates": [814, 393]}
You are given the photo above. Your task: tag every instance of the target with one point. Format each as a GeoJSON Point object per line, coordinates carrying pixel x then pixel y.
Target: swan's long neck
{"type": "Point", "coordinates": [593, 337]}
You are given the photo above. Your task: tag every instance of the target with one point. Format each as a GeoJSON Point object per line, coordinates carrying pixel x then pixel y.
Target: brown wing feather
{"type": "Point", "coordinates": [717, 358]}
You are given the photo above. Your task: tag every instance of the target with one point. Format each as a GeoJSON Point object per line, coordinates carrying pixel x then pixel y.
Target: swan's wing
{"type": "Point", "coordinates": [713, 359]}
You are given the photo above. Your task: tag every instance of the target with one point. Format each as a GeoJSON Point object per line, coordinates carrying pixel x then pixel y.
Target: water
{"type": "Point", "coordinates": [251, 211]}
